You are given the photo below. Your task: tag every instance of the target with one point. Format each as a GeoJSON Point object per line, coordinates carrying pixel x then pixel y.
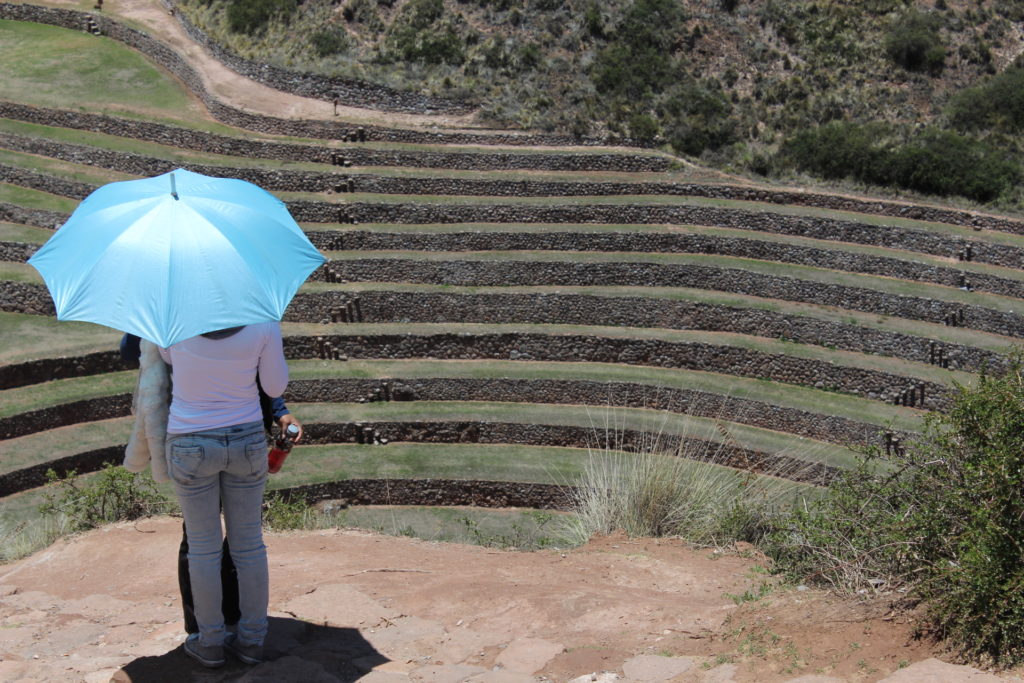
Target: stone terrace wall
{"type": "Point", "coordinates": [729, 360]}
{"type": "Point", "coordinates": [572, 437]}
{"type": "Point", "coordinates": [581, 309]}
{"type": "Point", "coordinates": [638, 242]}
{"type": "Point", "coordinates": [81, 463]}
{"type": "Point", "coordinates": [665, 243]}
{"type": "Point", "coordinates": [17, 252]}
{"type": "Point", "coordinates": [923, 241]}
{"type": "Point", "coordinates": [26, 297]}
{"type": "Point", "coordinates": [562, 348]}
{"type": "Point", "coordinates": [349, 91]}
{"type": "Point", "coordinates": [821, 427]}
{"type": "Point", "coordinates": [448, 492]}
{"type": "Point", "coordinates": [40, 218]}
{"type": "Point", "coordinates": [439, 492]}
{"type": "Point", "coordinates": [576, 309]}
{"type": "Point", "coordinates": [473, 432]}
{"type": "Point", "coordinates": [184, 138]}
{"type": "Point", "coordinates": [75, 412]}
{"type": "Point", "coordinates": [43, 370]}
{"type": "Point", "coordinates": [829, 428]}
{"type": "Point", "coordinates": [357, 156]}
{"type": "Point", "coordinates": [528, 273]}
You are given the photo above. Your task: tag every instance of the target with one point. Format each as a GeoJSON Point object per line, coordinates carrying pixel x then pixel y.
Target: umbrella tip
{"type": "Point", "coordinates": [174, 188]}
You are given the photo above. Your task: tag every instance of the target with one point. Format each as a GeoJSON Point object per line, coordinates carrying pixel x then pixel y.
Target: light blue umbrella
{"type": "Point", "coordinates": [170, 257]}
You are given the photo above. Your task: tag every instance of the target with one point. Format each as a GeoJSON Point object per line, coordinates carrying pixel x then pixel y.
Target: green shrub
{"type": "Point", "coordinates": [423, 34]}
{"type": "Point", "coordinates": [639, 59]}
{"type": "Point", "coordinates": [913, 42]}
{"type": "Point", "coordinates": [931, 161]}
{"type": "Point", "coordinates": [329, 42]}
{"type": "Point", "coordinates": [284, 514]}
{"type": "Point", "coordinates": [697, 116]}
{"type": "Point", "coordinates": [248, 16]}
{"type": "Point", "coordinates": [942, 521]}
{"type": "Point", "coordinates": [113, 494]}
{"type": "Point", "coordinates": [643, 128]}
{"type": "Point", "coordinates": [996, 104]}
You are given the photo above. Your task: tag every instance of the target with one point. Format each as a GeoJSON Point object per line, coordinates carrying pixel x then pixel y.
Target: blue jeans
{"type": "Point", "coordinates": [224, 468]}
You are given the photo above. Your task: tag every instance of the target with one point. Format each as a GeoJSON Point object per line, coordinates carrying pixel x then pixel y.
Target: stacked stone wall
{"type": "Point", "coordinates": [702, 357]}
{"type": "Point", "coordinates": [572, 309]}
{"type": "Point", "coordinates": [626, 241]}
{"type": "Point", "coordinates": [698, 356]}
{"type": "Point", "coordinates": [338, 155]}
{"type": "Point", "coordinates": [928, 242]}
{"type": "Point", "coordinates": [16, 375]}
{"type": "Point", "coordinates": [893, 237]}
{"type": "Point", "coordinates": [439, 492]}
{"type": "Point", "coordinates": [831, 428]}
{"type": "Point", "coordinates": [470, 432]}
{"type": "Point", "coordinates": [40, 218]}
{"type": "Point", "coordinates": [529, 273]}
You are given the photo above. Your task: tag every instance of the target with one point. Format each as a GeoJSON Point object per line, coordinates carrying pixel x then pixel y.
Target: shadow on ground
{"type": "Point", "coordinates": [296, 651]}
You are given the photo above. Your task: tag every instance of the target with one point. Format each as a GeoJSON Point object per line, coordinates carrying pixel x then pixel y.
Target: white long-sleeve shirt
{"type": "Point", "coordinates": [214, 380]}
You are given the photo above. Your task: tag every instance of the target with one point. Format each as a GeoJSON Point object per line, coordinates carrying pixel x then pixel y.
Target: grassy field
{"type": "Point", "coordinates": [107, 76]}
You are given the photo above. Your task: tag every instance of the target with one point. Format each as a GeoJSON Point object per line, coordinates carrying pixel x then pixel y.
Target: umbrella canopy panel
{"type": "Point", "coordinates": [170, 257]}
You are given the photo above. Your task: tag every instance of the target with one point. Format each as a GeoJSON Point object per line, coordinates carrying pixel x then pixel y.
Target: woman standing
{"type": "Point", "coordinates": [217, 459]}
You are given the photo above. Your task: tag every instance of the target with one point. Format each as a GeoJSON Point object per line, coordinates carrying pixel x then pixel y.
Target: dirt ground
{"type": "Point", "coordinates": [348, 605]}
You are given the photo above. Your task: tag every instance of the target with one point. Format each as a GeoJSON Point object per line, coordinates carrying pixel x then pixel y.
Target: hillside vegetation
{"type": "Point", "coordinates": [920, 96]}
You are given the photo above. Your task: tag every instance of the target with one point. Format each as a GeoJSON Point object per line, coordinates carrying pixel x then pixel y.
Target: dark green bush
{"type": "Point", "coordinates": [697, 117]}
{"type": "Point", "coordinates": [931, 161]}
{"type": "Point", "coordinates": [639, 58]}
{"type": "Point", "coordinates": [996, 104]}
{"type": "Point", "coordinates": [945, 163]}
{"type": "Point", "coordinates": [423, 34]}
{"type": "Point", "coordinates": [913, 42]}
{"type": "Point", "coordinates": [643, 128]}
{"type": "Point", "coordinates": [943, 521]}
{"type": "Point", "coordinates": [329, 42]}
{"type": "Point", "coordinates": [249, 16]}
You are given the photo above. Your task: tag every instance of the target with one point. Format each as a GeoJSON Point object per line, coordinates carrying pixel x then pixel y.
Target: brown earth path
{"type": "Point", "coordinates": [348, 605]}
{"type": "Point", "coordinates": [235, 90]}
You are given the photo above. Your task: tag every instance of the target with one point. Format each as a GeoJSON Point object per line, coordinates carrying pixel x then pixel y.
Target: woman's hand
{"type": "Point", "coordinates": [289, 419]}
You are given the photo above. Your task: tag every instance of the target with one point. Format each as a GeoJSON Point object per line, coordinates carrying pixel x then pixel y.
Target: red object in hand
{"type": "Point", "coordinates": [282, 447]}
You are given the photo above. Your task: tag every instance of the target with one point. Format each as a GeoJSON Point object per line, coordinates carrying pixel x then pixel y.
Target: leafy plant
{"type": "Point", "coordinates": [113, 494]}
{"type": "Point", "coordinates": [942, 521]}
{"type": "Point", "coordinates": [249, 16]}
{"type": "Point", "coordinates": [913, 42]}
{"type": "Point", "coordinates": [329, 42]}
{"type": "Point", "coordinates": [285, 514]}
{"type": "Point", "coordinates": [996, 104]}
{"type": "Point", "coordinates": [930, 161]}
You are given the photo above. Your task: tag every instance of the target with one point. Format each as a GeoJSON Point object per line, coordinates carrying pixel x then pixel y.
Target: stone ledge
{"type": "Point", "coordinates": [829, 428]}
{"type": "Point", "coordinates": [474, 432]}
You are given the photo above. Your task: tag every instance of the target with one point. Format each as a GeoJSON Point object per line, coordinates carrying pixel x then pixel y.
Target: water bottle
{"type": "Point", "coordinates": [282, 446]}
